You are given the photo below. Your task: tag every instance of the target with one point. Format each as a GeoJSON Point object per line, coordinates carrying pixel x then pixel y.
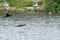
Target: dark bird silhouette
{"type": "Point", "coordinates": [8, 15]}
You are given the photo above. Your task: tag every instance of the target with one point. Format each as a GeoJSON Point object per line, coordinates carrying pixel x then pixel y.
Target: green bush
{"type": "Point", "coordinates": [20, 3]}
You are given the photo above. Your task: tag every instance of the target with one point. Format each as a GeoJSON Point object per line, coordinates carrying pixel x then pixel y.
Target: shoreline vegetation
{"type": "Point", "coordinates": [28, 6]}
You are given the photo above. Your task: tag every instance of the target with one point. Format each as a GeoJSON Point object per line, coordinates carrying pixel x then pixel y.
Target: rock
{"type": "Point", "coordinates": [20, 25]}
{"type": "Point", "coordinates": [50, 13]}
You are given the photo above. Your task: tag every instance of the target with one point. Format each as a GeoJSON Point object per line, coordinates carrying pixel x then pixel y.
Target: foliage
{"type": "Point", "coordinates": [50, 5]}
{"type": "Point", "coordinates": [20, 3]}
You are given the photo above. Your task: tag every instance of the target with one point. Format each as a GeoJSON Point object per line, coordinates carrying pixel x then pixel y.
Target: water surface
{"type": "Point", "coordinates": [37, 27]}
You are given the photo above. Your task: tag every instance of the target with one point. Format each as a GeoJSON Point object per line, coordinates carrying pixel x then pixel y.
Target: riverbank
{"type": "Point", "coordinates": [29, 13]}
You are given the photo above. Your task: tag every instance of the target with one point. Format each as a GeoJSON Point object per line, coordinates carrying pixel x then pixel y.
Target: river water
{"type": "Point", "coordinates": [36, 28]}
